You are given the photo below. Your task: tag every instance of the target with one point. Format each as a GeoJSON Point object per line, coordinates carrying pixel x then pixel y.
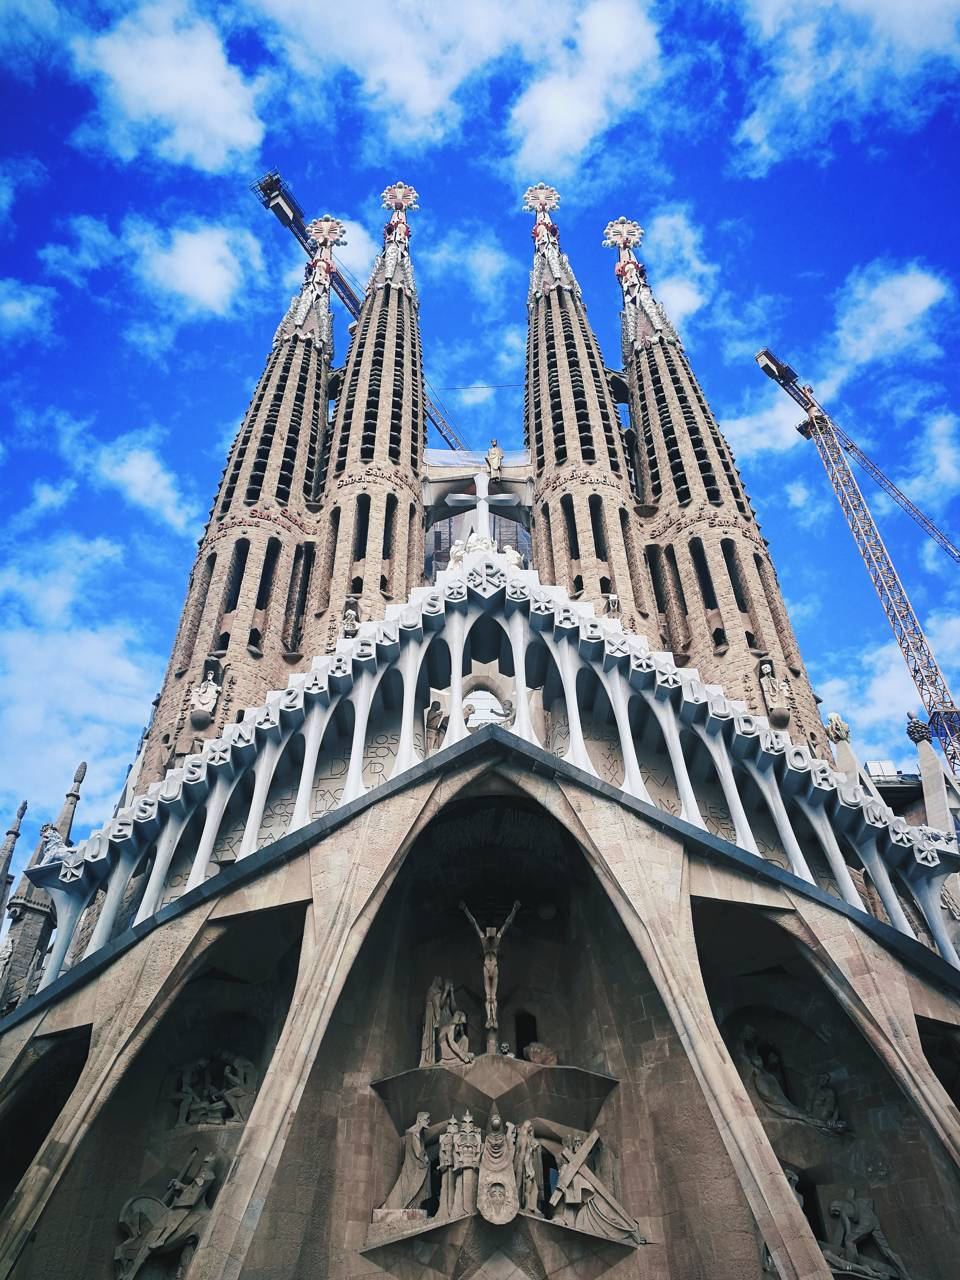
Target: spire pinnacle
{"type": "Point", "coordinates": [6, 853]}
{"type": "Point", "coordinates": [551, 268]}
{"type": "Point", "coordinates": [643, 316]}
{"type": "Point", "coordinates": [64, 822]}
{"type": "Point", "coordinates": [309, 314]}
{"type": "Point", "coordinates": [393, 265]}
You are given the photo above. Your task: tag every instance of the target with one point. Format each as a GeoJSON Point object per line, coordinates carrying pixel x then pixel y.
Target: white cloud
{"type": "Point", "coordinates": [166, 85]}
{"type": "Point", "coordinates": [45, 498]}
{"type": "Point", "coordinates": [16, 174]}
{"type": "Point", "coordinates": [189, 271]}
{"type": "Point", "coordinates": [130, 465]}
{"type": "Point", "coordinates": [512, 350]}
{"type": "Point", "coordinates": [358, 253]}
{"type": "Point", "coordinates": [471, 258]}
{"type": "Point", "coordinates": [70, 687]}
{"type": "Point", "coordinates": [26, 310]}
{"type": "Point", "coordinates": [202, 266]}
{"type": "Point", "coordinates": [682, 277]}
{"type": "Point", "coordinates": [933, 479]}
{"type": "Point", "coordinates": [846, 63]}
{"type": "Point", "coordinates": [883, 312]}
{"type": "Point", "coordinates": [810, 507]}
{"type": "Point", "coordinates": [596, 77]}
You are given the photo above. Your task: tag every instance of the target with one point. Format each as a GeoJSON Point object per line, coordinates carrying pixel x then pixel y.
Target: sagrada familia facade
{"type": "Point", "coordinates": [507, 920]}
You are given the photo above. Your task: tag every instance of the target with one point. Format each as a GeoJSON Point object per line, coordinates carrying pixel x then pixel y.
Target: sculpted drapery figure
{"type": "Point", "coordinates": [528, 1169]}
{"type": "Point", "coordinates": [490, 939]}
{"type": "Point", "coordinates": [438, 1012]}
{"type": "Point", "coordinates": [412, 1187]}
{"type": "Point", "coordinates": [859, 1227]}
{"type": "Point", "coordinates": [454, 1046]}
{"type": "Point", "coordinates": [157, 1226]}
{"type": "Point", "coordinates": [497, 1198]}
{"type": "Point", "coordinates": [762, 1071]}
{"type": "Point", "coordinates": [494, 460]}
{"type": "Point", "coordinates": [448, 1169]}
{"type": "Point", "coordinates": [587, 1204]}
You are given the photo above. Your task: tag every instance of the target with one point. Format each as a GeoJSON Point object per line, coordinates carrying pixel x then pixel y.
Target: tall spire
{"type": "Point", "coordinates": [643, 316]}
{"type": "Point", "coordinates": [716, 598]}
{"type": "Point", "coordinates": [309, 314]}
{"type": "Point", "coordinates": [393, 265]}
{"type": "Point", "coordinates": [583, 507]}
{"type": "Point", "coordinates": [6, 855]}
{"type": "Point", "coordinates": [373, 517]}
{"type": "Point", "coordinates": [551, 268]}
{"type": "Point", "coordinates": [64, 822]}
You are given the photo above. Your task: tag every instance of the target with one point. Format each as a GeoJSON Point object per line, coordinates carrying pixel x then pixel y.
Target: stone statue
{"type": "Point", "coordinates": [544, 1054]}
{"type": "Point", "coordinates": [612, 604]}
{"type": "Point", "coordinates": [514, 558]}
{"type": "Point", "coordinates": [469, 711]}
{"type": "Point", "coordinates": [480, 542]}
{"type": "Point", "coordinates": [466, 1163]}
{"type": "Point", "coordinates": [436, 725]}
{"type": "Point", "coordinates": [490, 939]}
{"type": "Point", "coordinates": [203, 701]}
{"type": "Point", "coordinates": [456, 553]}
{"type": "Point", "coordinates": [528, 1169]}
{"type": "Point", "coordinates": [350, 623]}
{"type": "Point", "coordinates": [763, 1071]}
{"type": "Point", "coordinates": [494, 460]}
{"type": "Point", "coordinates": [859, 1226]}
{"type": "Point", "coordinates": [439, 1011]}
{"type": "Point", "coordinates": [588, 1205]}
{"type": "Point", "coordinates": [412, 1187]}
{"type": "Point", "coordinates": [822, 1102]}
{"type": "Point", "coordinates": [53, 848]}
{"type": "Point", "coordinates": [837, 729]}
{"type": "Point", "coordinates": [454, 1046]}
{"type": "Point", "coordinates": [157, 1226]}
{"type": "Point", "coordinates": [448, 1171]}
{"type": "Point", "coordinates": [215, 1091]}
{"type": "Point", "coordinates": [776, 695]}
{"type": "Point", "coordinates": [497, 1198]}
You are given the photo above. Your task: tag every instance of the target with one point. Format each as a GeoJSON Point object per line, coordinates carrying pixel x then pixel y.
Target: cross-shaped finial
{"type": "Point", "coordinates": [328, 231]}
{"type": "Point", "coordinates": [622, 233]}
{"type": "Point", "coordinates": [399, 195]}
{"type": "Point", "coordinates": [541, 198]}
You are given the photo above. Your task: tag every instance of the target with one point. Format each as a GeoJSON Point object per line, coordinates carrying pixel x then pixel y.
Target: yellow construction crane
{"type": "Point", "coordinates": [832, 443]}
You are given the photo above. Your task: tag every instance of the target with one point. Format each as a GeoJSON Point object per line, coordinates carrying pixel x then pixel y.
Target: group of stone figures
{"type": "Point", "coordinates": [157, 1225]}
{"type": "Point", "coordinates": [501, 1174]}
{"type": "Point", "coordinates": [859, 1247]}
{"type": "Point", "coordinates": [216, 1090]}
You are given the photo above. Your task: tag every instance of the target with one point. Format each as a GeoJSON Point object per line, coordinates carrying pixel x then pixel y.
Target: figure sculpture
{"type": "Point", "coordinates": [412, 1186]}
{"type": "Point", "coordinates": [497, 1199]}
{"type": "Point", "coordinates": [490, 939]}
{"type": "Point", "coordinates": [837, 728]}
{"type": "Point", "coordinates": [514, 558]}
{"type": "Point", "coordinates": [157, 1226]}
{"type": "Point", "coordinates": [776, 695]}
{"type": "Point", "coordinates": [456, 553]}
{"type": "Point", "coordinates": [438, 1011]}
{"type": "Point", "coordinates": [436, 722]}
{"type": "Point", "coordinates": [588, 1205]}
{"type": "Point", "coordinates": [466, 1163]}
{"type": "Point", "coordinates": [859, 1227]}
{"type": "Point", "coordinates": [216, 1090]}
{"type": "Point", "coordinates": [448, 1170]}
{"type": "Point", "coordinates": [528, 1169]}
{"type": "Point", "coordinates": [494, 460]}
{"type": "Point", "coordinates": [203, 701]}
{"type": "Point", "coordinates": [762, 1070]}
{"type": "Point", "coordinates": [822, 1102]}
{"type": "Point", "coordinates": [454, 1046]}
{"type": "Point", "coordinates": [350, 623]}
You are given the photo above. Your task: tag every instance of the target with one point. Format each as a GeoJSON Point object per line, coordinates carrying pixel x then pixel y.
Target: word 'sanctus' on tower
{"type": "Point", "coordinates": [717, 599]}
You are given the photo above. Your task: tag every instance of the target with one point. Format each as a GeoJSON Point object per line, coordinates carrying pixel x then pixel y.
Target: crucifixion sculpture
{"type": "Point", "coordinates": [490, 939]}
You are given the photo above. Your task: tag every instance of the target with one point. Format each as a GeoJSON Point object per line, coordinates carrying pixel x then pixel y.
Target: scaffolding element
{"type": "Point", "coordinates": [831, 442]}
{"type": "Point", "coordinates": [274, 194]}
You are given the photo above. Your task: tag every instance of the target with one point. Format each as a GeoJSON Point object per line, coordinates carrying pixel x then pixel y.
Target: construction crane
{"type": "Point", "coordinates": [274, 194]}
{"type": "Point", "coordinates": [831, 442]}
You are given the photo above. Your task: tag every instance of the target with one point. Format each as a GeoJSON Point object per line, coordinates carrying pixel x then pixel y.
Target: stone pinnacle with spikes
{"type": "Point", "coordinates": [400, 195]}
{"type": "Point", "coordinates": [541, 198]}
{"type": "Point", "coordinates": [622, 233]}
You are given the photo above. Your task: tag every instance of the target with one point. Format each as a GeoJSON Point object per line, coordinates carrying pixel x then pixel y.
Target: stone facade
{"type": "Point", "coordinates": [633, 980]}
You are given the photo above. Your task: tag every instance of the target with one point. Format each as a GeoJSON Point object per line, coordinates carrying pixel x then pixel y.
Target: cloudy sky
{"type": "Point", "coordinates": [793, 162]}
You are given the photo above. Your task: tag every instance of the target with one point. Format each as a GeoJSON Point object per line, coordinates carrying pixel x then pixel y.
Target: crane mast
{"type": "Point", "coordinates": [274, 194]}
{"type": "Point", "coordinates": [830, 442]}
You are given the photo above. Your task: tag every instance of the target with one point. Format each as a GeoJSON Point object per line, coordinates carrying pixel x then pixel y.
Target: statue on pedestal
{"type": "Point", "coordinates": [203, 701]}
{"type": "Point", "coordinates": [494, 460]}
{"type": "Point", "coordinates": [412, 1186]}
{"type": "Point", "coordinates": [466, 1163]}
{"type": "Point", "coordinates": [448, 1169]}
{"type": "Point", "coordinates": [438, 1012]}
{"type": "Point", "coordinates": [528, 1169]}
{"type": "Point", "coordinates": [497, 1198]}
{"type": "Point", "coordinates": [490, 939]}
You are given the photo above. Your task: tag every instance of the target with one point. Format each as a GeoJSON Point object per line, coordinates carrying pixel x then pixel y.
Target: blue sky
{"type": "Point", "coordinates": [793, 163]}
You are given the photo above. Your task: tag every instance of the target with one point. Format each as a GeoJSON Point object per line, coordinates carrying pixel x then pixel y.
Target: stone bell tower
{"type": "Point", "coordinates": [716, 594]}
{"type": "Point", "coordinates": [249, 602]}
{"type": "Point", "coordinates": [369, 475]}
{"type": "Point", "coordinates": [583, 525]}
